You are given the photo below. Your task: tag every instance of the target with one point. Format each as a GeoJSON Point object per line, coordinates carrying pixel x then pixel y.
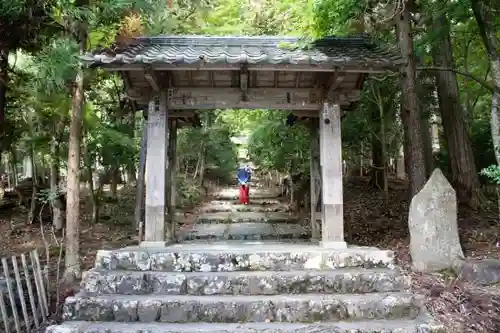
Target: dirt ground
{"type": "Point", "coordinates": [462, 307]}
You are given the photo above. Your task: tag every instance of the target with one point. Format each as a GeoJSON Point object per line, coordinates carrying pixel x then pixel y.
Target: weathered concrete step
{"type": "Point", "coordinates": [245, 256]}
{"type": "Point", "coordinates": [420, 325]}
{"type": "Point", "coordinates": [240, 309]}
{"type": "Point", "coordinates": [255, 193]}
{"type": "Point", "coordinates": [230, 217]}
{"type": "Point", "coordinates": [235, 208]}
{"type": "Point", "coordinates": [243, 231]}
{"type": "Point", "coordinates": [341, 281]}
{"type": "Point", "coordinates": [254, 201]}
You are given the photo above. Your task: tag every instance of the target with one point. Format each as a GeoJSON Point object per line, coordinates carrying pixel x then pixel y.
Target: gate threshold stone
{"type": "Point", "coordinates": [341, 281]}
{"type": "Point", "coordinates": [238, 256]}
{"type": "Point", "coordinates": [242, 231]}
{"type": "Point", "coordinates": [419, 325]}
{"type": "Point", "coordinates": [240, 309]}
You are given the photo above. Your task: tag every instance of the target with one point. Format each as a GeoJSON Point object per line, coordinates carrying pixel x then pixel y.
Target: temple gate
{"type": "Point", "coordinates": [176, 75]}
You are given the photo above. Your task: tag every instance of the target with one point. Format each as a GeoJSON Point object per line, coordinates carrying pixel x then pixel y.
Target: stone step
{"type": "Point", "coordinates": [242, 256]}
{"type": "Point", "coordinates": [238, 217]}
{"type": "Point", "coordinates": [419, 325]}
{"type": "Point", "coordinates": [236, 208]}
{"type": "Point", "coordinates": [255, 193]}
{"type": "Point", "coordinates": [253, 201]}
{"type": "Point", "coordinates": [341, 281]}
{"type": "Point", "coordinates": [240, 309]}
{"type": "Point", "coordinates": [243, 231]}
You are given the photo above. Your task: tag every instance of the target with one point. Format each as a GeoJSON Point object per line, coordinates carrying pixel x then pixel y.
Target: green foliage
{"type": "Point", "coordinates": [214, 141]}
{"type": "Point", "coordinates": [493, 173]}
{"type": "Point", "coordinates": [189, 193]}
{"type": "Point", "coordinates": [275, 146]}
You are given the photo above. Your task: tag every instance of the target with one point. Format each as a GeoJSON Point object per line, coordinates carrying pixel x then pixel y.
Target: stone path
{"type": "Point", "coordinates": [234, 272]}
{"type": "Point", "coordinates": [225, 219]}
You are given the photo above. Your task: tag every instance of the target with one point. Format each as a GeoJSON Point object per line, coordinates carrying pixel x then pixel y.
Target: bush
{"type": "Point", "coordinates": [188, 192]}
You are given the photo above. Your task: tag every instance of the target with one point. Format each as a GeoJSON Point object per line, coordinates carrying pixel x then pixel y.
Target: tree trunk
{"type": "Point", "coordinates": [4, 79]}
{"type": "Point", "coordinates": [400, 164]}
{"type": "Point", "coordinates": [426, 137]}
{"type": "Point", "coordinates": [131, 170]}
{"type": "Point", "coordinates": [383, 154]}
{"type": "Point", "coordinates": [377, 179]}
{"type": "Point", "coordinates": [465, 179]}
{"type": "Point", "coordinates": [417, 172]}
{"type": "Point", "coordinates": [72, 257]}
{"type": "Point", "coordinates": [34, 188]}
{"type": "Point", "coordinates": [115, 179]}
{"type": "Point", "coordinates": [488, 32]}
{"type": "Point", "coordinates": [57, 218]}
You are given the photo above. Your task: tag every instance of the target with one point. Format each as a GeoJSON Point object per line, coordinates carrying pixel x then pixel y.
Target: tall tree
{"type": "Point", "coordinates": [24, 24]}
{"type": "Point", "coordinates": [484, 12]}
{"type": "Point", "coordinates": [410, 111]}
{"type": "Point", "coordinates": [72, 258]}
{"type": "Point", "coordinates": [461, 157]}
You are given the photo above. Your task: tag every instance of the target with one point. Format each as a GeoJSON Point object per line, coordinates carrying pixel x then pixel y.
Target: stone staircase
{"type": "Point", "coordinates": [246, 286]}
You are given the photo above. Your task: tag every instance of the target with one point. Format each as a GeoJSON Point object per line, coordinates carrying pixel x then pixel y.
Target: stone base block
{"type": "Point", "coordinates": [333, 245]}
{"type": "Point", "coordinates": [341, 281]}
{"type": "Point", "coordinates": [241, 309]}
{"type": "Point", "coordinates": [250, 256]}
{"type": "Point", "coordinates": [371, 326]}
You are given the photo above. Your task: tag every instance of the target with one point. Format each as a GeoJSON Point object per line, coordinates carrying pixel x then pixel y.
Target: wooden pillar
{"type": "Point", "coordinates": [156, 171]}
{"type": "Point", "coordinates": [315, 175]}
{"type": "Point", "coordinates": [139, 200]}
{"type": "Point", "coordinates": [171, 175]}
{"type": "Point", "coordinates": [331, 175]}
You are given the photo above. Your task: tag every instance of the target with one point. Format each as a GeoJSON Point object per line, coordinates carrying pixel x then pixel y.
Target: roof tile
{"type": "Point", "coordinates": [193, 50]}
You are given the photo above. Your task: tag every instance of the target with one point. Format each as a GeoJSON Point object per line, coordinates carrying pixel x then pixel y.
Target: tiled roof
{"type": "Point", "coordinates": [195, 50]}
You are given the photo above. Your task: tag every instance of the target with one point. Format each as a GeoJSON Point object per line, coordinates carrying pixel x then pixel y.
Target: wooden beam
{"type": "Point", "coordinates": [181, 114]}
{"type": "Point", "coordinates": [211, 79]}
{"type": "Point", "coordinates": [331, 175]}
{"type": "Point", "coordinates": [246, 105]}
{"type": "Point", "coordinates": [244, 83]}
{"type": "Point", "coordinates": [298, 77]}
{"type": "Point", "coordinates": [139, 199]}
{"type": "Point", "coordinates": [351, 94]}
{"type": "Point", "coordinates": [312, 114]}
{"type": "Point", "coordinates": [150, 76]}
{"type": "Point", "coordinates": [276, 79]}
{"type": "Point", "coordinates": [189, 98]}
{"type": "Point", "coordinates": [354, 68]}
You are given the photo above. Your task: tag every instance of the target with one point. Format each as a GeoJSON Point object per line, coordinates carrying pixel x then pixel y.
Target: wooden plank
{"type": "Point", "coordinates": [31, 295]}
{"type": "Point", "coordinates": [139, 194]}
{"type": "Point", "coordinates": [315, 179]}
{"type": "Point", "coordinates": [156, 167]}
{"type": "Point", "coordinates": [37, 276]}
{"type": "Point", "coordinates": [20, 292]}
{"type": "Point", "coordinates": [331, 175]}
{"type": "Point", "coordinates": [5, 317]}
{"type": "Point", "coordinates": [10, 289]}
{"type": "Point", "coordinates": [40, 274]}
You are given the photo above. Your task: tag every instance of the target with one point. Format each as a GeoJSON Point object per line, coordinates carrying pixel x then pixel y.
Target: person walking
{"type": "Point", "coordinates": [243, 175]}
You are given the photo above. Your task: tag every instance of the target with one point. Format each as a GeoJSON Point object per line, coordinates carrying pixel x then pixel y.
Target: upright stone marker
{"type": "Point", "coordinates": [434, 241]}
